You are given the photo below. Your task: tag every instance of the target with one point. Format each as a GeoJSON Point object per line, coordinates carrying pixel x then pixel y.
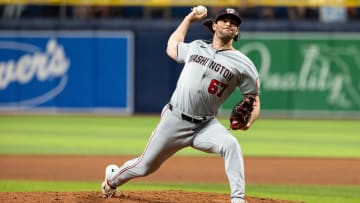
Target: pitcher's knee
{"type": "Point", "coordinates": [230, 145]}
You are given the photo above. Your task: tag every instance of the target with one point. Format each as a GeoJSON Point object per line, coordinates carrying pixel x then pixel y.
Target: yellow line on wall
{"type": "Point", "coordinates": [165, 3]}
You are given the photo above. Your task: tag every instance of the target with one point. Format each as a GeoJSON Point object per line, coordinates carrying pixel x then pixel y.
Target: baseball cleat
{"type": "Point", "coordinates": [107, 190]}
{"type": "Point", "coordinates": [238, 201]}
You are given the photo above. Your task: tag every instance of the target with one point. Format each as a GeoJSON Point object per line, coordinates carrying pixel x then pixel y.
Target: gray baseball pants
{"type": "Point", "coordinates": [174, 133]}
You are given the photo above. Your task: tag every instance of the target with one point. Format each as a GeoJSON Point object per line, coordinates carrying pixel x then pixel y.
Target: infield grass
{"type": "Point", "coordinates": [127, 135]}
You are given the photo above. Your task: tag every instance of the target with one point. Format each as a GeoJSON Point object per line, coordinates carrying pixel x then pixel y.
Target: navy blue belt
{"type": "Point", "coordinates": [189, 118]}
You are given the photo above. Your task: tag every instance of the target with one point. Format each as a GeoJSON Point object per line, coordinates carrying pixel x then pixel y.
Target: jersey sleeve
{"type": "Point", "coordinates": [250, 81]}
{"type": "Point", "coordinates": [182, 52]}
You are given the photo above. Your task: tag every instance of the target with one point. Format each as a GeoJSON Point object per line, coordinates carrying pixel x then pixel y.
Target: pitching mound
{"type": "Point", "coordinates": [171, 196]}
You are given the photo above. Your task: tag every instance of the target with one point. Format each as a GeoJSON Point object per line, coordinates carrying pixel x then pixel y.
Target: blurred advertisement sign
{"type": "Point", "coordinates": [66, 70]}
{"type": "Point", "coordinates": [305, 72]}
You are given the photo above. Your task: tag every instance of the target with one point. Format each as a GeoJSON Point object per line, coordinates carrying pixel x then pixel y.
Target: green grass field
{"type": "Point", "coordinates": [127, 135]}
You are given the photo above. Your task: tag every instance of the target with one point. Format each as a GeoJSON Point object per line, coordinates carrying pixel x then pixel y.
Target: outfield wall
{"type": "Point", "coordinates": [305, 74]}
{"type": "Point", "coordinates": [66, 70]}
{"type": "Point", "coordinates": [307, 68]}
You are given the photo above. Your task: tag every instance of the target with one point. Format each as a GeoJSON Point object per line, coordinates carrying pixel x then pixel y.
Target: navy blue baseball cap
{"type": "Point", "coordinates": [229, 12]}
{"type": "Point", "coordinates": [224, 13]}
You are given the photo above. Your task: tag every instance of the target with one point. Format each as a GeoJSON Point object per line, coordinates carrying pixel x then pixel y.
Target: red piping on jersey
{"type": "Point", "coordinates": [140, 158]}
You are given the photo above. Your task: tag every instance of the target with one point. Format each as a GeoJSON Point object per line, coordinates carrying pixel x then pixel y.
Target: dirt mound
{"type": "Point", "coordinates": [170, 196]}
{"type": "Point", "coordinates": [203, 169]}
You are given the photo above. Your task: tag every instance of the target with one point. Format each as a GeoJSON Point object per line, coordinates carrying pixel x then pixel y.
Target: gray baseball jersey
{"type": "Point", "coordinates": [207, 79]}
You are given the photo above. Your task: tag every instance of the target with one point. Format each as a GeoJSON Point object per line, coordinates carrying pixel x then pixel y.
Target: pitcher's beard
{"type": "Point", "coordinates": [226, 38]}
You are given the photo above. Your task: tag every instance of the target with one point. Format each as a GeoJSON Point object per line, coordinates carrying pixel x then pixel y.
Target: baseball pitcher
{"type": "Point", "coordinates": [212, 71]}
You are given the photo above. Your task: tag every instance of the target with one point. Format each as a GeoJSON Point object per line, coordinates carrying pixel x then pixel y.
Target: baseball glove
{"type": "Point", "coordinates": [241, 113]}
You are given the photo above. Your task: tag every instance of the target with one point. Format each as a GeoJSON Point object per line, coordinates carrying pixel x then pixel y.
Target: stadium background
{"type": "Point", "coordinates": [289, 33]}
{"type": "Point", "coordinates": [108, 57]}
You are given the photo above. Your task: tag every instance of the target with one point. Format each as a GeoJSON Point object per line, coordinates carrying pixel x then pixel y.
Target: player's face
{"type": "Point", "coordinates": [226, 28]}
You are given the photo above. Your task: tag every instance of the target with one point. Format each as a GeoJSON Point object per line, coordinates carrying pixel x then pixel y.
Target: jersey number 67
{"type": "Point", "coordinates": [216, 87]}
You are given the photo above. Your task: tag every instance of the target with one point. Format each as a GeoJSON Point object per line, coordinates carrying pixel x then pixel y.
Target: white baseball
{"type": "Point", "coordinates": [200, 10]}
